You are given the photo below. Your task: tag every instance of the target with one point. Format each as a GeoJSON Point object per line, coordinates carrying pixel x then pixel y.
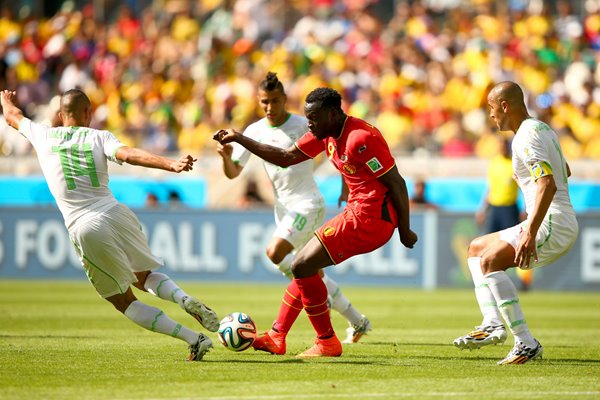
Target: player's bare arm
{"type": "Point", "coordinates": [274, 155]}
{"type": "Point", "coordinates": [526, 250]}
{"type": "Point", "coordinates": [12, 114]}
{"type": "Point", "coordinates": [230, 168]}
{"type": "Point", "coordinates": [399, 197]}
{"type": "Point", "coordinates": [135, 156]}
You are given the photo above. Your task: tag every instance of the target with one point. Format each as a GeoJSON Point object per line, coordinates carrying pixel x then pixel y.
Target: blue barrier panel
{"type": "Point", "coordinates": [230, 246]}
{"type": "Point", "coordinates": [33, 191]}
{"type": "Point", "coordinates": [195, 245]}
{"type": "Point", "coordinates": [450, 194]}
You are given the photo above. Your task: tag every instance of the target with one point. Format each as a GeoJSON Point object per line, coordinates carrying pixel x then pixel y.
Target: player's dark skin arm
{"type": "Point", "coordinates": [399, 197]}
{"type": "Point", "coordinates": [274, 155]}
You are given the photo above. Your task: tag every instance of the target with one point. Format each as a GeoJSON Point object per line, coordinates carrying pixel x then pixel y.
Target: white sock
{"type": "Point", "coordinates": [340, 303]}
{"type": "Point", "coordinates": [505, 293]}
{"type": "Point", "coordinates": [164, 287]}
{"type": "Point", "coordinates": [485, 298]}
{"type": "Point", "coordinates": [155, 320]}
{"type": "Point", "coordinates": [285, 266]}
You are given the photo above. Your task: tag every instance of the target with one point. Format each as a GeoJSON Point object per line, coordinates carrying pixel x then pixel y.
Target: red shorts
{"type": "Point", "coordinates": [351, 233]}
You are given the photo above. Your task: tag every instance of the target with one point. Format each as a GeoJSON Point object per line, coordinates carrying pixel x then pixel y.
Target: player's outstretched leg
{"type": "Point", "coordinates": [492, 330]}
{"type": "Point", "coordinates": [273, 341]}
{"type": "Point", "coordinates": [161, 285]}
{"type": "Point", "coordinates": [155, 320]}
{"type": "Point", "coordinates": [526, 346]}
{"type": "Point", "coordinates": [314, 300]}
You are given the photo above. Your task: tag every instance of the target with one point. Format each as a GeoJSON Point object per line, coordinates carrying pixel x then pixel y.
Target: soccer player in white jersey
{"type": "Point", "coordinates": [299, 205]}
{"type": "Point", "coordinates": [549, 231]}
{"type": "Point", "coordinates": [106, 234]}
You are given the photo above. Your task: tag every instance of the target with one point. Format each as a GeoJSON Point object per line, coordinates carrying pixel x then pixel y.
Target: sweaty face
{"type": "Point", "coordinates": [319, 121]}
{"type": "Point", "coordinates": [273, 104]}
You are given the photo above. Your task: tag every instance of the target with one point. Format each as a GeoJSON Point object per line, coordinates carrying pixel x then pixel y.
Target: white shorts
{"type": "Point", "coordinates": [297, 227]}
{"type": "Point", "coordinates": [111, 247]}
{"type": "Point", "coordinates": [557, 234]}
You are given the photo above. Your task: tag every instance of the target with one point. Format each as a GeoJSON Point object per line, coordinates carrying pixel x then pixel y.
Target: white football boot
{"type": "Point", "coordinates": [200, 348]}
{"type": "Point", "coordinates": [355, 332]}
{"type": "Point", "coordinates": [520, 354]}
{"type": "Point", "coordinates": [483, 335]}
{"type": "Point", "coordinates": [207, 317]}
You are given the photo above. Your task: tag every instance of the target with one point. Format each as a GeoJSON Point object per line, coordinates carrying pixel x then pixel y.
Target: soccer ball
{"type": "Point", "coordinates": [237, 331]}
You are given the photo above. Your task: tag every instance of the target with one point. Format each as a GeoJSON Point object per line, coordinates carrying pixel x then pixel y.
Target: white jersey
{"type": "Point", "coordinates": [74, 163]}
{"type": "Point", "coordinates": [294, 187]}
{"type": "Point", "coordinates": [536, 153]}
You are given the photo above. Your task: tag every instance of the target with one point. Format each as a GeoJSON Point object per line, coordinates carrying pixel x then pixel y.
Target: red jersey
{"type": "Point", "coordinates": [362, 155]}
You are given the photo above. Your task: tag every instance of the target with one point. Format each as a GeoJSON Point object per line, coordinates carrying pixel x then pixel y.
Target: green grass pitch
{"type": "Point", "coordinates": [59, 340]}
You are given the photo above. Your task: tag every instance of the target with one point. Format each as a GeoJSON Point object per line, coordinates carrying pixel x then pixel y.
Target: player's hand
{"type": "Point", "coordinates": [225, 135]}
{"type": "Point", "coordinates": [225, 150]}
{"type": "Point", "coordinates": [409, 239]}
{"type": "Point", "coordinates": [185, 163]}
{"type": "Point", "coordinates": [7, 96]}
{"type": "Point", "coordinates": [526, 250]}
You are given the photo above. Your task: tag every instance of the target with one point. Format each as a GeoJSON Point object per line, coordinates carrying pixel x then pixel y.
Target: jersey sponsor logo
{"type": "Point", "coordinates": [329, 231]}
{"type": "Point", "coordinates": [374, 164]}
{"type": "Point", "coordinates": [349, 168]}
{"type": "Point", "coordinates": [540, 169]}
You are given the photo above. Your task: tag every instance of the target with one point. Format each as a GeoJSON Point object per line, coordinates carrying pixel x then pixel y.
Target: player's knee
{"type": "Point", "coordinates": [275, 256]}
{"type": "Point", "coordinates": [302, 269]}
{"type": "Point", "coordinates": [141, 279]}
{"type": "Point", "coordinates": [122, 301]}
{"type": "Point", "coordinates": [476, 247]}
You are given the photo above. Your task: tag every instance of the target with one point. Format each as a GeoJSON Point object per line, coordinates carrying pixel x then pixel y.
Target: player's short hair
{"type": "Point", "coordinates": [74, 102]}
{"type": "Point", "coordinates": [271, 82]}
{"type": "Point", "coordinates": [510, 92]}
{"type": "Point", "coordinates": [324, 98]}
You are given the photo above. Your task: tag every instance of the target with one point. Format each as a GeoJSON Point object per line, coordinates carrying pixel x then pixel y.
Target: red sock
{"type": "Point", "coordinates": [290, 308]}
{"type": "Point", "coordinates": [314, 299]}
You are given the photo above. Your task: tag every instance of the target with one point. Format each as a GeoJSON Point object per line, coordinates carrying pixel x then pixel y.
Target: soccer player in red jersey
{"type": "Point", "coordinates": [377, 204]}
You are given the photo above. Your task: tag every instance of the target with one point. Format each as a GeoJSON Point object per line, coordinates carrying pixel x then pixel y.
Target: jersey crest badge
{"type": "Point", "coordinates": [329, 231]}
{"type": "Point", "coordinates": [374, 164]}
{"type": "Point", "coordinates": [349, 168]}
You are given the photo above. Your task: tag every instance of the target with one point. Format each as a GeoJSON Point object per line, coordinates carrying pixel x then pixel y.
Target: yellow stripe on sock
{"type": "Point", "coordinates": [291, 306]}
{"type": "Point", "coordinates": [318, 305]}
{"type": "Point", "coordinates": [316, 315]}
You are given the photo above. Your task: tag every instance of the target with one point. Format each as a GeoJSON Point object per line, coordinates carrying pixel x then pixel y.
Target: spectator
{"type": "Point", "coordinates": [407, 73]}
{"type": "Point", "coordinates": [418, 200]}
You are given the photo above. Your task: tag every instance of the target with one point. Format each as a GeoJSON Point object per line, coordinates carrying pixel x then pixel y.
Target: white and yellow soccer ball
{"type": "Point", "coordinates": [237, 331]}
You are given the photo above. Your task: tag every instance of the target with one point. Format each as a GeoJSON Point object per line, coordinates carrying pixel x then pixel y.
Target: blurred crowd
{"type": "Point", "coordinates": [165, 75]}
